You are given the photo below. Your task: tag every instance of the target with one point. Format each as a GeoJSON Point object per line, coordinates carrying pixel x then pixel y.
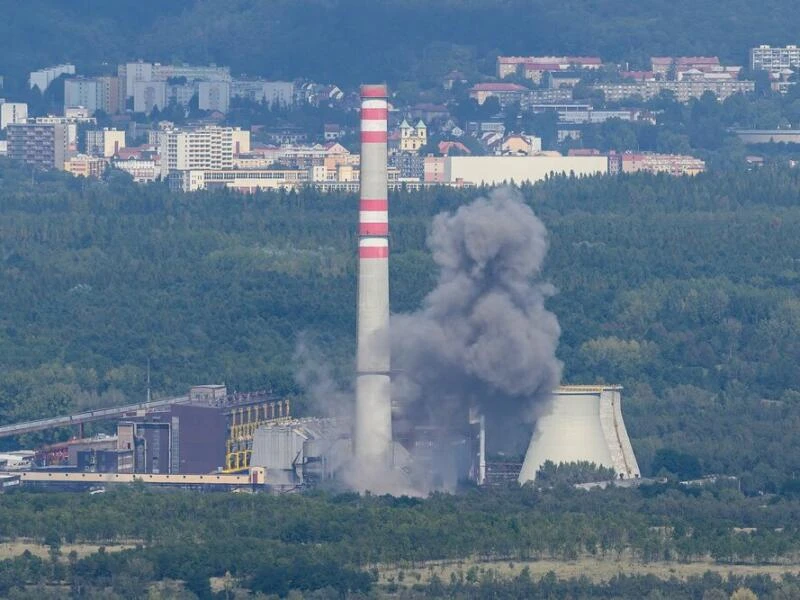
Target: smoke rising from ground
{"type": "Point", "coordinates": [483, 336]}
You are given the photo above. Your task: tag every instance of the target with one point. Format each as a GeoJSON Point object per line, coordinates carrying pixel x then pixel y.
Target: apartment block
{"type": "Point", "coordinates": [12, 113]}
{"type": "Point", "coordinates": [44, 77]}
{"type": "Point", "coordinates": [95, 93]}
{"type": "Point", "coordinates": [43, 146]}
{"type": "Point", "coordinates": [683, 90]}
{"type": "Point", "coordinates": [214, 95]}
{"type": "Point", "coordinates": [86, 166]}
{"type": "Point", "coordinates": [664, 65]}
{"type": "Point", "coordinates": [104, 142]}
{"type": "Point", "coordinates": [148, 95]}
{"type": "Point", "coordinates": [281, 93]}
{"type": "Point", "coordinates": [672, 164]}
{"type": "Point", "coordinates": [206, 148]}
{"type": "Point", "coordinates": [142, 170]}
{"type": "Point", "coordinates": [766, 58]}
{"type": "Point", "coordinates": [506, 93]}
{"type": "Point", "coordinates": [533, 67]}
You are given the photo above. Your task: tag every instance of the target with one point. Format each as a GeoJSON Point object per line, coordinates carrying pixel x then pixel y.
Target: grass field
{"type": "Point", "coordinates": [14, 548]}
{"type": "Point", "coordinates": [596, 568]}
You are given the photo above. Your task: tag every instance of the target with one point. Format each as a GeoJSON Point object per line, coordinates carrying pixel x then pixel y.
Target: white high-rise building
{"type": "Point", "coordinates": [148, 95]}
{"type": "Point", "coordinates": [279, 93]}
{"type": "Point", "coordinates": [82, 92]}
{"type": "Point", "coordinates": [95, 93]}
{"type": "Point", "coordinates": [214, 95]}
{"type": "Point", "coordinates": [259, 90]}
{"type": "Point", "coordinates": [207, 148]}
{"type": "Point", "coordinates": [12, 113]}
{"type": "Point", "coordinates": [104, 142]}
{"type": "Point", "coordinates": [130, 73]}
{"type": "Point", "coordinates": [44, 77]}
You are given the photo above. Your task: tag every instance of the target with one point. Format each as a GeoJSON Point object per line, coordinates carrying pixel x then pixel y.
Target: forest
{"type": "Point", "coordinates": [326, 545]}
{"type": "Point", "coordinates": [394, 41]}
{"type": "Point", "coordinates": [685, 291]}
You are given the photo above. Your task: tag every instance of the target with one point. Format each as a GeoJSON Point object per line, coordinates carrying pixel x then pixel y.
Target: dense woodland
{"type": "Point", "coordinates": [337, 543]}
{"type": "Point", "coordinates": [354, 40]}
{"type": "Point", "coordinates": [683, 290]}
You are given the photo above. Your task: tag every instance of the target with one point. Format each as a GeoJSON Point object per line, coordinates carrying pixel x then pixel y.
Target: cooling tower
{"type": "Point", "coordinates": [373, 426]}
{"type": "Point", "coordinates": [584, 424]}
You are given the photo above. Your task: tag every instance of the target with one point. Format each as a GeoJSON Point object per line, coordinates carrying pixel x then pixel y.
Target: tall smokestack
{"type": "Point", "coordinates": [373, 426]}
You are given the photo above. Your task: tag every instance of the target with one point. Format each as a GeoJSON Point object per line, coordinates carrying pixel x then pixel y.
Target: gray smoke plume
{"type": "Point", "coordinates": [324, 395]}
{"type": "Point", "coordinates": [483, 337]}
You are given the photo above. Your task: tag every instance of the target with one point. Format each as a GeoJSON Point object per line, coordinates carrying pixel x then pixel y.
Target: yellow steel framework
{"type": "Point", "coordinates": [244, 420]}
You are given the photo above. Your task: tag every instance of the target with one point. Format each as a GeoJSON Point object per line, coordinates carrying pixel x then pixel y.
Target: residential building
{"type": "Point", "coordinates": [206, 148]}
{"type": "Point", "coordinates": [519, 145]}
{"type": "Point", "coordinates": [104, 142]}
{"type": "Point", "coordinates": [278, 93]}
{"type": "Point", "coordinates": [412, 138]}
{"type": "Point", "coordinates": [532, 67]}
{"type": "Point", "coordinates": [44, 77]}
{"type": "Point", "coordinates": [664, 66]}
{"type": "Point", "coordinates": [82, 165]}
{"type": "Point", "coordinates": [141, 71]}
{"type": "Point", "coordinates": [448, 147]}
{"type": "Point", "coordinates": [506, 93]}
{"type": "Point", "coordinates": [191, 72]}
{"type": "Point", "coordinates": [214, 95]}
{"type": "Point", "coordinates": [281, 93]}
{"type": "Point", "coordinates": [130, 73]}
{"type": "Point", "coordinates": [71, 124]}
{"type": "Point", "coordinates": [40, 145]}
{"type": "Point", "coordinates": [672, 164]}
{"type": "Point", "coordinates": [12, 113]}
{"type": "Point", "coordinates": [332, 132]}
{"type": "Point", "coordinates": [774, 60]}
{"type": "Point", "coordinates": [558, 80]}
{"type": "Point", "coordinates": [768, 136]}
{"type": "Point", "coordinates": [148, 95]}
{"type": "Point", "coordinates": [429, 112]}
{"type": "Point", "coordinates": [95, 93]}
{"type": "Point", "coordinates": [410, 165]}
{"type": "Point", "coordinates": [433, 169]}
{"type": "Point", "coordinates": [241, 140]}
{"type": "Point", "coordinates": [142, 170]}
{"type": "Point", "coordinates": [683, 90]}
{"type": "Point", "coordinates": [595, 116]}
{"type": "Point", "coordinates": [305, 156]}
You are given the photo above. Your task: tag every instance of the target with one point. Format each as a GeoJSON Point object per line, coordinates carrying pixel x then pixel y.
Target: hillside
{"type": "Point", "coordinates": [685, 291]}
{"type": "Point", "coordinates": [349, 41]}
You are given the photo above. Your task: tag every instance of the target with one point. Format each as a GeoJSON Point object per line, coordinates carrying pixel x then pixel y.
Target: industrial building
{"type": "Point", "coordinates": [207, 431]}
{"type": "Point", "coordinates": [497, 170]}
{"type": "Point", "coordinates": [584, 423]}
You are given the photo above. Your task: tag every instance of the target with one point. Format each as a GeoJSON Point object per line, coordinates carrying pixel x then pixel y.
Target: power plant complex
{"type": "Point", "coordinates": [213, 439]}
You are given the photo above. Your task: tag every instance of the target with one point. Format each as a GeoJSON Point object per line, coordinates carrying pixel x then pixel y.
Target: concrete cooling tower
{"type": "Point", "coordinates": [584, 424]}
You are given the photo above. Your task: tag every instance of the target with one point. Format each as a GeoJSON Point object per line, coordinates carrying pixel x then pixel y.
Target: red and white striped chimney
{"type": "Point", "coordinates": [373, 423]}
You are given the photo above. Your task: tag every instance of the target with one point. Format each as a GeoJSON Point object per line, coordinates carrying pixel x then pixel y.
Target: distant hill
{"type": "Point", "coordinates": [398, 40]}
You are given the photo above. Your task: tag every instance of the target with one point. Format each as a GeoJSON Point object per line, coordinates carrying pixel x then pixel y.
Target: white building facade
{"type": "Point", "coordinates": [12, 113]}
